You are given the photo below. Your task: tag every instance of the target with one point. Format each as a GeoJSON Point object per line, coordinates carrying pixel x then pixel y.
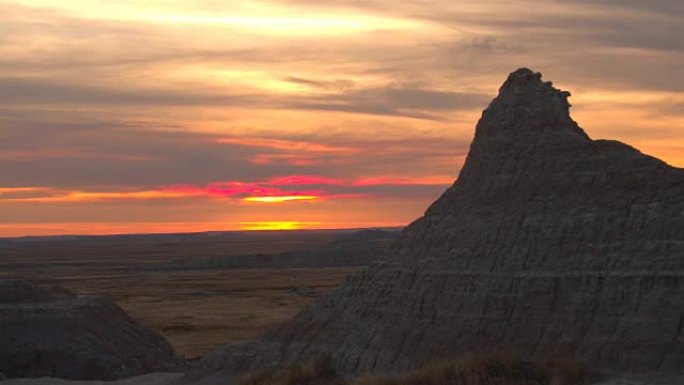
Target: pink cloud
{"type": "Point", "coordinates": [304, 180]}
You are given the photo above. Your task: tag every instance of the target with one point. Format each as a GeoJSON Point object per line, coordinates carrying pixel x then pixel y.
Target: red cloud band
{"type": "Point", "coordinates": [274, 190]}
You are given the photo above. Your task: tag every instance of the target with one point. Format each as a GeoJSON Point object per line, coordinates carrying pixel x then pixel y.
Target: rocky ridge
{"type": "Point", "coordinates": [549, 243]}
{"type": "Point", "coordinates": [48, 331]}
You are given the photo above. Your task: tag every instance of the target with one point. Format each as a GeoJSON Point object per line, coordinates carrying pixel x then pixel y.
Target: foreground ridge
{"type": "Point", "coordinates": [548, 244]}
{"type": "Point", "coordinates": [48, 331]}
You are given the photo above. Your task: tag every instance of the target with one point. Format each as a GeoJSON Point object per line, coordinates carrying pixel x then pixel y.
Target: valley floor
{"type": "Point", "coordinates": [197, 310]}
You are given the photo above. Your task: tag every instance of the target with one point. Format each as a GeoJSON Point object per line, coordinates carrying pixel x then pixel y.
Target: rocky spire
{"type": "Point", "coordinates": [527, 123]}
{"type": "Point", "coordinates": [526, 105]}
{"type": "Point", "coordinates": [549, 244]}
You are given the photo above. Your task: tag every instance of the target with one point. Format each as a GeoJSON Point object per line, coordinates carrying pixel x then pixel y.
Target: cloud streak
{"type": "Point", "coordinates": [292, 188]}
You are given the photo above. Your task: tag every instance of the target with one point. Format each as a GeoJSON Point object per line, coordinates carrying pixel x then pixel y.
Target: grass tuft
{"type": "Point", "coordinates": [489, 369]}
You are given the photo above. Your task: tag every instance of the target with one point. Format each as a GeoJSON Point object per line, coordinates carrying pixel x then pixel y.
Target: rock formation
{"type": "Point", "coordinates": [50, 332]}
{"type": "Point", "coordinates": [549, 243]}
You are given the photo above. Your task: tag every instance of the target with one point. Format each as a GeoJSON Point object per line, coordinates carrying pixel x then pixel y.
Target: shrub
{"type": "Point", "coordinates": [314, 372]}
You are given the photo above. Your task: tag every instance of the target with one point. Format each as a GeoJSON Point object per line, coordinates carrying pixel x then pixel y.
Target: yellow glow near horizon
{"type": "Point", "coordinates": [278, 225]}
{"type": "Point", "coordinates": [279, 199]}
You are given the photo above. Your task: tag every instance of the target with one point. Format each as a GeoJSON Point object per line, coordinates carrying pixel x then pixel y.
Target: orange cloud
{"type": "Point", "coordinates": [85, 196]}
{"type": "Point", "coordinates": [297, 153]}
{"type": "Point", "coordinates": [15, 190]}
{"type": "Point", "coordinates": [288, 145]}
{"type": "Point", "coordinates": [291, 159]}
{"type": "Point", "coordinates": [404, 181]}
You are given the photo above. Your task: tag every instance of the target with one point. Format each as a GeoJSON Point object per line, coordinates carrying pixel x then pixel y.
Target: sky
{"type": "Point", "coordinates": [196, 115]}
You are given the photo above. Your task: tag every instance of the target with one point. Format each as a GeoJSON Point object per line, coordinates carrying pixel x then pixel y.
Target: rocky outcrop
{"type": "Point", "coordinates": [549, 243]}
{"type": "Point", "coordinates": [47, 331]}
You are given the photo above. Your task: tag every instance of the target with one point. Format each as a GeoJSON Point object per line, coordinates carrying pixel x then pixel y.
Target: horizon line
{"type": "Point", "coordinates": [165, 233]}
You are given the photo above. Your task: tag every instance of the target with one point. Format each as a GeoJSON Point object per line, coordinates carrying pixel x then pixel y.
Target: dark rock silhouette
{"type": "Point", "coordinates": [50, 332]}
{"type": "Point", "coordinates": [549, 244]}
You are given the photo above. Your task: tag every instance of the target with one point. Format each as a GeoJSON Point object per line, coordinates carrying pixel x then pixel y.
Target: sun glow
{"type": "Point", "coordinates": [279, 199]}
{"type": "Point", "coordinates": [278, 225]}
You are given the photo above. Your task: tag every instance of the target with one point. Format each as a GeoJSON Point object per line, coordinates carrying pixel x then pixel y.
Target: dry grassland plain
{"type": "Point", "coordinates": [197, 310]}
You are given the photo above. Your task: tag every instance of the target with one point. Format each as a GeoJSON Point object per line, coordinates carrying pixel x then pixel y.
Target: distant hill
{"type": "Point", "coordinates": [359, 248]}
{"type": "Point", "coordinates": [48, 257]}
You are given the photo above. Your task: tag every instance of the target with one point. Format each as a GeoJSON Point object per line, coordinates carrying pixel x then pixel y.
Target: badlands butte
{"type": "Point", "coordinates": [549, 244]}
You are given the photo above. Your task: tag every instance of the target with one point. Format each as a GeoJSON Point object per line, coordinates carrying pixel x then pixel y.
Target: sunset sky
{"type": "Point", "coordinates": [180, 115]}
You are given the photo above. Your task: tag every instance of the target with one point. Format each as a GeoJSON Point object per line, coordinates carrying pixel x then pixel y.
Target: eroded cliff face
{"type": "Point", "coordinates": [50, 332]}
{"type": "Point", "coordinates": [549, 243]}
